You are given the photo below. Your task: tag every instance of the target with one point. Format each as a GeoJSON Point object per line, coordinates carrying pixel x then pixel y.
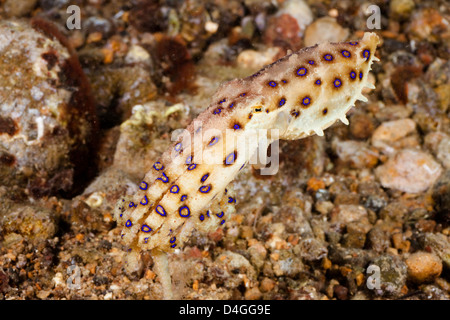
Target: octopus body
{"type": "Point", "coordinates": [297, 96]}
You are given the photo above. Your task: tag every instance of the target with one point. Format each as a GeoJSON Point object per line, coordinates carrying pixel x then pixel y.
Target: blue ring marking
{"type": "Point", "coordinates": [205, 189]}
{"type": "Point", "coordinates": [159, 164]}
{"type": "Point", "coordinates": [243, 94]}
{"type": "Point", "coordinates": [201, 217]}
{"type": "Point", "coordinates": [172, 240]}
{"type": "Point", "coordinates": [366, 53]}
{"type": "Point", "coordinates": [146, 185]}
{"type": "Point", "coordinates": [328, 57]}
{"type": "Point", "coordinates": [306, 101]}
{"type": "Point", "coordinates": [282, 102]}
{"type": "Point", "coordinates": [121, 215]}
{"type": "Point", "coordinates": [273, 84]}
{"type": "Point", "coordinates": [166, 178]}
{"type": "Point", "coordinates": [222, 101]}
{"type": "Point", "coordinates": [231, 200]}
{"type": "Point", "coordinates": [301, 71]}
{"type": "Point", "coordinates": [295, 113]}
{"type": "Point", "coordinates": [318, 82]}
{"type": "Point", "coordinates": [174, 189]}
{"type": "Point", "coordinates": [178, 146]}
{"type": "Point", "coordinates": [284, 81]}
{"type": "Point", "coordinates": [160, 210]}
{"type": "Point", "coordinates": [217, 110]}
{"type": "Point", "coordinates": [222, 222]}
{"type": "Point", "coordinates": [229, 161]}
{"type": "Point", "coordinates": [145, 228]}
{"type": "Point", "coordinates": [145, 240]}
{"type": "Point", "coordinates": [129, 250]}
{"type": "Point", "coordinates": [146, 201]}
{"type": "Point", "coordinates": [231, 105]}
{"type": "Point", "coordinates": [181, 209]}
{"type": "Point", "coordinates": [189, 160]}
{"type": "Point", "coordinates": [173, 246]}
{"type": "Point", "coordinates": [205, 177]}
{"type": "Point", "coordinates": [128, 223]}
{"type": "Point", "coordinates": [353, 75]}
{"type": "Point", "coordinates": [221, 214]}
{"type": "Point", "coordinates": [183, 197]}
{"type": "Point", "coordinates": [236, 126]}
{"type": "Point", "coordinates": [208, 212]}
{"type": "Point", "coordinates": [346, 53]}
{"type": "Point", "coordinates": [337, 82]}
{"type": "Point", "coordinates": [122, 235]}
{"type": "Point", "coordinates": [311, 61]}
{"type": "Point", "coordinates": [213, 141]}
{"type": "Point", "coordinates": [360, 75]}
{"type": "Point", "coordinates": [131, 204]}
{"type": "Point", "coordinates": [192, 166]}
{"type": "Point", "coordinates": [354, 43]}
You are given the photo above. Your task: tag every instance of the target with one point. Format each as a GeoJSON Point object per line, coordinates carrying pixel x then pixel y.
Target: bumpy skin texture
{"type": "Point", "coordinates": [298, 95]}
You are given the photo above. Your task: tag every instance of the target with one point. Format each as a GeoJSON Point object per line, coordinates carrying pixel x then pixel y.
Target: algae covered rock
{"type": "Point", "coordinates": [46, 110]}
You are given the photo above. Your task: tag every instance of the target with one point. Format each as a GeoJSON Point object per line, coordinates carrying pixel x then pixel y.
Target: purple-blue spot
{"type": "Point", "coordinates": [178, 146]}
{"type": "Point", "coordinates": [230, 158]}
{"type": "Point", "coordinates": [205, 189]}
{"type": "Point", "coordinates": [160, 210]}
{"type": "Point", "coordinates": [213, 141]}
{"type": "Point", "coordinates": [366, 54]}
{"type": "Point", "coordinates": [346, 53]}
{"type": "Point", "coordinates": [158, 166]}
{"type": "Point", "coordinates": [184, 211]}
{"type": "Point", "coordinates": [174, 189]}
{"type": "Point", "coordinates": [146, 201]}
{"type": "Point", "coordinates": [337, 82]}
{"type": "Point", "coordinates": [143, 188]}
{"type": "Point", "coordinates": [220, 215]}
{"type": "Point", "coordinates": [328, 57]}
{"type": "Point", "coordinates": [306, 101]}
{"type": "Point", "coordinates": [301, 71]}
{"type": "Point", "coordinates": [164, 178]}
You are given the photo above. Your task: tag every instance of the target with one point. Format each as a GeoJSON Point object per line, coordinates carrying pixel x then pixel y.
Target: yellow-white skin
{"type": "Point", "coordinates": [284, 96]}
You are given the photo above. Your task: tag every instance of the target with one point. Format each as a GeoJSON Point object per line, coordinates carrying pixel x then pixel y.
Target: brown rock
{"type": "Point", "coordinates": [253, 294]}
{"type": "Point", "coordinates": [423, 267]}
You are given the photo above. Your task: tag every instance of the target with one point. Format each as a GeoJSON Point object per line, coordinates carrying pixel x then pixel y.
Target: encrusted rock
{"type": "Point", "coordinates": [392, 275]}
{"type": "Point", "coordinates": [47, 116]}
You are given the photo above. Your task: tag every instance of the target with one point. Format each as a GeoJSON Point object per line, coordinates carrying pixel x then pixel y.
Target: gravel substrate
{"type": "Point", "coordinates": [360, 213]}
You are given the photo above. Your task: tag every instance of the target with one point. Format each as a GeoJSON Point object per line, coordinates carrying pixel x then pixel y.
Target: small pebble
{"type": "Point", "coordinates": [324, 29]}
{"type": "Point", "coordinates": [409, 171]}
{"type": "Point", "coordinates": [388, 135]}
{"type": "Point", "coordinates": [423, 267]}
{"type": "Point", "coordinates": [401, 8]}
{"type": "Point", "coordinates": [266, 285]}
{"type": "Point", "coordinates": [253, 294]}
